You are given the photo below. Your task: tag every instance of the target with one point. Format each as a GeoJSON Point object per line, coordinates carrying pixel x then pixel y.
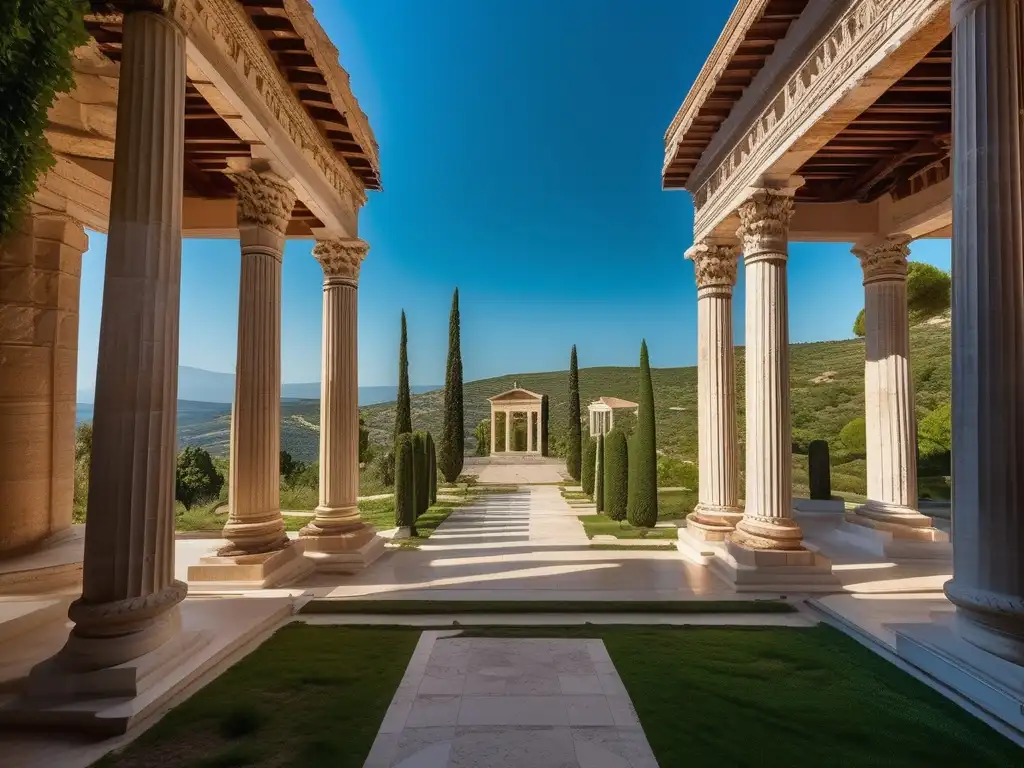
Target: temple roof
{"type": "Point", "coordinates": [516, 393]}
{"type": "Point", "coordinates": [615, 403]}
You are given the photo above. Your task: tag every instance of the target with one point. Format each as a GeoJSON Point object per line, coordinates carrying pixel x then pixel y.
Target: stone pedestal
{"type": "Point", "coordinates": [337, 539]}
{"type": "Point", "coordinates": [40, 269]}
{"type": "Point", "coordinates": [129, 602]}
{"type": "Point", "coordinates": [988, 314]}
{"type": "Point", "coordinates": [258, 552]}
{"type": "Point", "coordinates": [718, 509]}
{"type": "Point", "coordinates": [891, 514]}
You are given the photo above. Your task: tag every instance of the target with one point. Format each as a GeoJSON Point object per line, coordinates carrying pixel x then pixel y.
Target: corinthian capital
{"type": "Point", "coordinates": [264, 199]}
{"type": "Point", "coordinates": [341, 258]}
{"type": "Point", "coordinates": [764, 228]}
{"type": "Point", "coordinates": [714, 264]}
{"type": "Point", "coordinates": [883, 259]}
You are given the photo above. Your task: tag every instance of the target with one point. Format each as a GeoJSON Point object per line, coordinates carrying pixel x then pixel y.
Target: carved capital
{"type": "Point", "coordinates": [764, 228]}
{"type": "Point", "coordinates": [884, 259]}
{"type": "Point", "coordinates": [264, 199]}
{"type": "Point", "coordinates": [714, 264]}
{"type": "Point", "coordinates": [341, 259]}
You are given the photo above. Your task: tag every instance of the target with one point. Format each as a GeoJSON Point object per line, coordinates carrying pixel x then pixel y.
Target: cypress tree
{"type": "Point", "coordinates": [616, 473]}
{"type": "Point", "coordinates": [403, 406]}
{"type": "Point", "coordinates": [432, 469]}
{"type": "Point", "coordinates": [642, 504]}
{"type": "Point", "coordinates": [589, 461]}
{"type": "Point", "coordinates": [452, 447]}
{"type": "Point", "coordinates": [543, 426]}
{"type": "Point", "coordinates": [599, 475]}
{"type": "Point", "coordinates": [573, 458]}
{"type": "Point", "coordinates": [405, 480]}
{"type": "Point", "coordinates": [421, 471]}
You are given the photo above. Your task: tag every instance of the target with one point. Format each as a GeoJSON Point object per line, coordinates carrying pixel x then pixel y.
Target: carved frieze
{"type": "Point", "coordinates": [264, 199]}
{"type": "Point", "coordinates": [764, 227]}
{"type": "Point", "coordinates": [341, 258]}
{"type": "Point", "coordinates": [714, 264]}
{"type": "Point", "coordinates": [884, 259]}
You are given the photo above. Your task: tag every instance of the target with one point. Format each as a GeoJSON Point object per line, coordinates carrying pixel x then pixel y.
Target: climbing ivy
{"type": "Point", "coordinates": [36, 41]}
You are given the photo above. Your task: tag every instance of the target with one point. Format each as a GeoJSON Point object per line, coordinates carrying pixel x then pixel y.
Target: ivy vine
{"type": "Point", "coordinates": [37, 38]}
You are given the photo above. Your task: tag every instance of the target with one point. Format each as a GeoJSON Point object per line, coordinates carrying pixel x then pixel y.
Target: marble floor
{"type": "Point", "coordinates": [509, 703]}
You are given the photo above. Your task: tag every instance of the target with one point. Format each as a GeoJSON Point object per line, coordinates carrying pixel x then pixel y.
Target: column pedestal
{"type": "Point", "coordinates": [258, 552]}
{"type": "Point", "coordinates": [765, 551]}
{"type": "Point", "coordinates": [337, 540]}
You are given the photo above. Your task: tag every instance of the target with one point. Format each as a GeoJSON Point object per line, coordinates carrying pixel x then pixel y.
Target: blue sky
{"type": "Point", "coordinates": [521, 145]}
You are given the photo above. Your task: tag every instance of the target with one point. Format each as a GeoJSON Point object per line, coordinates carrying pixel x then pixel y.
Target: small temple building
{"type": "Point", "coordinates": [602, 413]}
{"type": "Point", "coordinates": [514, 406]}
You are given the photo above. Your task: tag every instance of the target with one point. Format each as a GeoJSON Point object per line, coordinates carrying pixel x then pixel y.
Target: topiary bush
{"type": "Point", "coordinates": [36, 41]}
{"type": "Point", "coordinates": [588, 465]}
{"type": "Point", "coordinates": [432, 470]}
{"type": "Point", "coordinates": [421, 471]}
{"type": "Point", "coordinates": [819, 470]}
{"type": "Point", "coordinates": [642, 503]}
{"type": "Point", "coordinates": [854, 437]}
{"type": "Point", "coordinates": [599, 476]}
{"type": "Point", "coordinates": [405, 483]}
{"type": "Point", "coordinates": [616, 474]}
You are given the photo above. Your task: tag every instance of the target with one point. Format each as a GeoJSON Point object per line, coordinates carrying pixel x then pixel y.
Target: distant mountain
{"type": "Point", "coordinates": [202, 386]}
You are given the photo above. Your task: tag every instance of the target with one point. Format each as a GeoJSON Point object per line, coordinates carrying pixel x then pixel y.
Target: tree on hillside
{"type": "Point", "coordinates": [935, 432]}
{"type": "Point", "coordinates": [36, 41]}
{"type": "Point", "coordinates": [642, 502]}
{"type": "Point", "coordinates": [452, 447]}
{"type": "Point", "coordinates": [573, 458]}
{"type": "Point", "coordinates": [290, 468]}
{"type": "Point", "coordinates": [858, 326]}
{"type": "Point", "coordinates": [588, 465]}
{"type": "Point", "coordinates": [854, 437]}
{"type": "Point", "coordinates": [616, 474]}
{"type": "Point", "coordinates": [83, 455]}
{"type": "Point", "coordinates": [196, 478]}
{"type": "Point", "coordinates": [403, 405]}
{"type": "Point", "coordinates": [928, 292]}
{"type": "Point", "coordinates": [364, 441]}
{"type": "Point", "coordinates": [482, 433]}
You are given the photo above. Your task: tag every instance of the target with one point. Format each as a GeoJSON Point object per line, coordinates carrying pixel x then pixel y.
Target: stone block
{"type": "Point", "coordinates": [787, 572]}
{"type": "Point", "coordinates": [898, 542]}
{"type": "Point", "coordinates": [271, 569]}
{"type": "Point", "coordinates": [344, 553]}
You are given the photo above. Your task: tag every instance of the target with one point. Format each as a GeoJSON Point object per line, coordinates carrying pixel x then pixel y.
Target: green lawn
{"type": "Point", "coordinates": [777, 696]}
{"type": "Point", "coordinates": [600, 525]}
{"type": "Point", "coordinates": [309, 696]}
{"type": "Point", "coordinates": [427, 607]}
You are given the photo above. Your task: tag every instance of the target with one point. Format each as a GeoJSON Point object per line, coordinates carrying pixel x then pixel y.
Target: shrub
{"type": "Point", "coordinates": [365, 451]}
{"type": "Point", "coordinates": [405, 483]}
{"type": "Point", "coordinates": [616, 474]}
{"type": "Point", "coordinates": [819, 470]}
{"type": "Point", "coordinates": [573, 456]}
{"type": "Point", "coordinates": [675, 472]}
{"type": "Point", "coordinates": [599, 476]}
{"type": "Point", "coordinates": [290, 468]}
{"type": "Point", "coordinates": [421, 471]}
{"type": "Point", "coordinates": [854, 437]}
{"type": "Point", "coordinates": [196, 479]}
{"type": "Point", "coordinates": [432, 471]}
{"type": "Point", "coordinates": [935, 432]}
{"type": "Point", "coordinates": [642, 503]}
{"type": "Point", "coordinates": [588, 466]}
{"type": "Point", "coordinates": [83, 455]}
{"type": "Point", "coordinates": [453, 437]}
{"type": "Point", "coordinates": [385, 468]}
{"type": "Point", "coordinates": [928, 291]}
{"type": "Point", "coordinates": [858, 325]}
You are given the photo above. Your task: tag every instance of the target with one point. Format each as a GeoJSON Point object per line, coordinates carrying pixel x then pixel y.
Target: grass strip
{"type": "Point", "coordinates": [429, 607]}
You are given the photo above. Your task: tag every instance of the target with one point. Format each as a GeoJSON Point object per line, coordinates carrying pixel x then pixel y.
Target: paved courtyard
{"type": "Point", "coordinates": [506, 703]}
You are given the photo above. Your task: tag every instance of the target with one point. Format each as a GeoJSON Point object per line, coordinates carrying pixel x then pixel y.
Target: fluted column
{"type": "Point", "coordinates": [988, 317]}
{"type": "Point", "coordinates": [767, 522]}
{"type": "Point", "coordinates": [890, 423]}
{"type": "Point", "coordinates": [338, 511]}
{"type": "Point", "coordinates": [129, 594]}
{"type": "Point", "coordinates": [529, 431]}
{"type": "Point", "coordinates": [718, 509]}
{"type": "Point", "coordinates": [494, 431]}
{"type": "Point", "coordinates": [40, 270]}
{"type": "Point", "coordinates": [254, 524]}
{"type": "Point", "coordinates": [508, 431]}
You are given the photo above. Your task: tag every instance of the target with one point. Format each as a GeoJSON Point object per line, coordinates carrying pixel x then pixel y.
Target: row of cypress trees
{"type": "Point", "coordinates": [621, 475]}
{"type": "Point", "coordinates": [415, 477]}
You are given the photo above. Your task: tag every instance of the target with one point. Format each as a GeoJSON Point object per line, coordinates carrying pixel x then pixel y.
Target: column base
{"type": "Point", "coordinates": [989, 620]}
{"type": "Point", "coordinates": [768, 533]}
{"type": "Point", "coordinates": [712, 523]}
{"type": "Point", "coordinates": [270, 569]}
{"type": "Point", "coordinates": [348, 552]}
{"type": "Point", "coordinates": [892, 514]}
{"type": "Point", "coordinates": [765, 570]}
{"type": "Point", "coordinates": [899, 542]}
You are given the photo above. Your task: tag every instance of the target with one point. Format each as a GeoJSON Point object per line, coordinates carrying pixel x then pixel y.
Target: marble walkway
{"type": "Point", "coordinates": [510, 703]}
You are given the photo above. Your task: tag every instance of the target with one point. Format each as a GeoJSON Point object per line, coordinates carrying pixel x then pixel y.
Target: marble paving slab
{"type": "Point", "coordinates": [510, 703]}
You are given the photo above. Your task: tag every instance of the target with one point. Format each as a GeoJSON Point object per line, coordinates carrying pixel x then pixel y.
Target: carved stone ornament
{"type": "Point", "coordinates": [714, 264]}
{"type": "Point", "coordinates": [341, 258]}
{"type": "Point", "coordinates": [884, 259]}
{"type": "Point", "coordinates": [764, 225]}
{"type": "Point", "coordinates": [264, 199]}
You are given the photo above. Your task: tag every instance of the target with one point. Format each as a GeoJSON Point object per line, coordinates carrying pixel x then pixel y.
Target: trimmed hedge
{"type": "Point", "coordinates": [642, 503]}
{"type": "Point", "coordinates": [588, 465]}
{"type": "Point", "coordinates": [421, 464]}
{"type": "Point", "coordinates": [405, 483]}
{"type": "Point", "coordinates": [599, 476]}
{"type": "Point", "coordinates": [616, 474]}
{"type": "Point", "coordinates": [432, 469]}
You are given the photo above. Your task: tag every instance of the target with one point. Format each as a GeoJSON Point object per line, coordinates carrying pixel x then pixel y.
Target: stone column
{"type": "Point", "coordinates": [40, 269]}
{"type": "Point", "coordinates": [529, 431]}
{"type": "Point", "coordinates": [767, 523]}
{"type": "Point", "coordinates": [254, 524]}
{"type": "Point", "coordinates": [718, 509]}
{"type": "Point", "coordinates": [508, 431]}
{"type": "Point", "coordinates": [337, 538]}
{"type": "Point", "coordinates": [890, 422]}
{"type": "Point", "coordinates": [129, 602]}
{"type": "Point", "coordinates": [988, 314]}
{"type": "Point", "coordinates": [494, 430]}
